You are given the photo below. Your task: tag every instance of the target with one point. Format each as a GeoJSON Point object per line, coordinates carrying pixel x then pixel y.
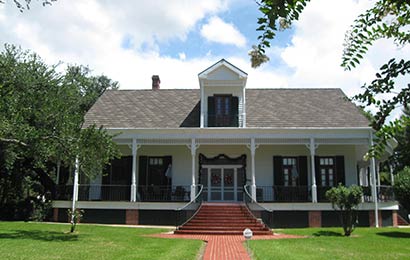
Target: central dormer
{"type": "Point", "coordinates": [223, 95]}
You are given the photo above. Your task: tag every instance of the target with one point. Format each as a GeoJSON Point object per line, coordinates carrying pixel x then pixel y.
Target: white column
{"type": "Point", "coordinates": [391, 174]}
{"type": "Point", "coordinates": [312, 148]}
{"type": "Point", "coordinates": [202, 112]}
{"type": "Point", "coordinates": [134, 181]}
{"type": "Point", "coordinates": [373, 184]}
{"type": "Point", "coordinates": [378, 173]}
{"type": "Point", "coordinates": [253, 184]}
{"type": "Point", "coordinates": [75, 187]}
{"type": "Point", "coordinates": [193, 147]}
{"type": "Point", "coordinates": [243, 108]}
{"type": "Point", "coordinates": [58, 172]}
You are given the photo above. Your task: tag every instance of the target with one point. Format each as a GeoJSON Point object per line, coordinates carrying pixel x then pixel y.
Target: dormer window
{"type": "Point", "coordinates": [222, 111]}
{"type": "Point", "coordinates": [223, 101]}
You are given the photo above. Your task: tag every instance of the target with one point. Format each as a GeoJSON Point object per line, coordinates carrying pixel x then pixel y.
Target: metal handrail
{"type": "Point", "coordinates": [264, 220]}
{"type": "Point", "coordinates": [192, 201]}
{"type": "Point", "coordinates": [189, 203]}
{"type": "Point", "coordinates": [254, 201]}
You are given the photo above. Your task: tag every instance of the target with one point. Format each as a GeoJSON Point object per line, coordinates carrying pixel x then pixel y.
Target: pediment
{"type": "Point", "coordinates": [223, 70]}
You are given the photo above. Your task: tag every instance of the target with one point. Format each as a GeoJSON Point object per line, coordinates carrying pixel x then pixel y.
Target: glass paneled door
{"type": "Point", "coordinates": [222, 183]}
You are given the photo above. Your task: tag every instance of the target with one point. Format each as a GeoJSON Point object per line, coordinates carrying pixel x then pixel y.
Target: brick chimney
{"type": "Point", "coordinates": [155, 82]}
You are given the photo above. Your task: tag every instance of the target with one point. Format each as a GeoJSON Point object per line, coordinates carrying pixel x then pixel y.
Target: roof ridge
{"type": "Point", "coordinates": [149, 89]}
{"type": "Point", "coordinates": [191, 89]}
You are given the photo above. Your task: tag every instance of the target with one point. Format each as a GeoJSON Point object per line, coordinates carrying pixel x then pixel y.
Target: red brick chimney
{"type": "Point", "coordinates": [155, 82]}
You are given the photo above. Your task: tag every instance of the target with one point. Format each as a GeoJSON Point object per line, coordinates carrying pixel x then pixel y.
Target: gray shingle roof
{"type": "Point", "coordinates": [176, 108]}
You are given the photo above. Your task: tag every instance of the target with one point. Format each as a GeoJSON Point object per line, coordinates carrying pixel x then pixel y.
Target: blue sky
{"type": "Point", "coordinates": [129, 41]}
{"type": "Point", "coordinates": [243, 16]}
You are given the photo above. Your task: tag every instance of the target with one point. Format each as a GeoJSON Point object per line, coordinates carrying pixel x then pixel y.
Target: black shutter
{"type": "Point", "coordinates": [277, 170]}
{"type": "Point", "coordinates": [317, 171]}
{"type": "Point", "coordinates": [142, 172]}
{"type": "Point", "coordinates": [211, 111]}
{"type": "Point", "coordinates": [167, 162]}
{"type": "Point", "coordinates": [340, 170]}
{"type": "Point", "coordinates": [234, 112]}
{"type": "Point", "coordinates": [303, 169]}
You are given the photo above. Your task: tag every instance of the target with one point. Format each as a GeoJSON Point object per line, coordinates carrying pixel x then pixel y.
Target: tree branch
{"type": "Point", "coordinates": [14, 141]}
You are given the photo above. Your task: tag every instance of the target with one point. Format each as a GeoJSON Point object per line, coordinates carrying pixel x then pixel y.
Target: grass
{"type": "Point", "coordinates": [329, 243]}
{"type": "Point", "coordinates": [21, 240]}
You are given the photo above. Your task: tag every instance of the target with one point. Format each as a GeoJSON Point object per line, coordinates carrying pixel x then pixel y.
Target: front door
{"type": "Point", "coordinates": [222, 183]}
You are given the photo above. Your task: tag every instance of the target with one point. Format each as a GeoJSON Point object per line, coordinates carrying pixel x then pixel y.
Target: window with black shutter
{"type": "Point", "coordinates": [290, 171]}
{"type": "Point", "coordinates": [330, 170]}
{"type": "Point", "coordinates": [222, 111]}
{"type": "Point", "coordinates": [154, 171]}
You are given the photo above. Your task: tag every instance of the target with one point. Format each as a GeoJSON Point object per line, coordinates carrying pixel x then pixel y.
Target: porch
{"type": "Point", "coordinates": [264, 194]}
{"type": "Point", "coordinates": [297, 167]}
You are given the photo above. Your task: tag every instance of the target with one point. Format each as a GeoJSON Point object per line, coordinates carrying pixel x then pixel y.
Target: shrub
{"type": "Point", "coordinates": [345, 200]}
{"type": "Point", "coordinates": [74, 217]}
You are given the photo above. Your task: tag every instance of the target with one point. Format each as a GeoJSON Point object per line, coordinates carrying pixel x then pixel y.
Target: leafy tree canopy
{"type": "Point", "coordinates": [42, 111]}
{"type": "Point", "coordinates": [388, 19]}
{"type": "Point", "coordinates": [25, 4]}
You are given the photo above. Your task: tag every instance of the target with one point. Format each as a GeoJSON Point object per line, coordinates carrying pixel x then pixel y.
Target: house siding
{"type": "Point", "coordinates": [181, 159]}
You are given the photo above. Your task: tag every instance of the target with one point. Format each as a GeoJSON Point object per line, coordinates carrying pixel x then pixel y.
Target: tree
{"type": "Point", "coordinates": [402, 188]}
{"type": "Point", "coordinates": [276, 16]}
{"type": "Point", "coordinates": [345, 200]}
{"type": "Point", "coordinates": [401, 156]}
{"type": "Point", "coordinates": [388, 19]}
{"type": "Point", "coordinates": [25, 4]}
{"type": "Point", "coordinates": [41, 116]}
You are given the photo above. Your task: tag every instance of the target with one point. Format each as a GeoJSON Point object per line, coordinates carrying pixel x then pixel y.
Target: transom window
{"type": "Point", "coordinates": [290, 171]}
{"type": "Point", "coordinates": [155, 161]}
{"type": "Point", "coordinates": [327, 171]}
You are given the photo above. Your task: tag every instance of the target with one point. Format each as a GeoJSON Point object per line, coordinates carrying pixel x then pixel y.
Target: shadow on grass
{"type": "Point", "coordinates": [394, 234]}
{"type": "Point", "coordinates": [326, 233]}
{"type": "Point", "coordinates": [39, 235]}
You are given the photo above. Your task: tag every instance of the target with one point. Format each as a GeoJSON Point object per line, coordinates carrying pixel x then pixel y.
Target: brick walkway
{"type": "Point", "coordinates": [229, 247]}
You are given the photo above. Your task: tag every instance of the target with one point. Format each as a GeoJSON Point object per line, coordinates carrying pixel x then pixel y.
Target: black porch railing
{"type": "Point", "coordinates": [384, 193]}
{"type": "Point", "coordinates": [94, 192]}
{"type": "Point", "coordinates": [321, 193]}
{"type": "Point", "coordinates": [154, 193]}
{"type": "Point", "coordinates": [282, 194]}
{"type": "Point", "coordinates": [180, 193]}
{"type": "Point", "coordinates": [188, 211]}
{"type": "Point", "coordinates": [257, 210]}
{"type": "Point", "coordinates": [105, 192]}
{"type": "Point", "coordinates": [63, 192]}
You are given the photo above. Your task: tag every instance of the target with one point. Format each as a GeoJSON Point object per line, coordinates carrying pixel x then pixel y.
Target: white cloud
{"type": "Point", "coordinates": [92, 33]}
{"type": "Point", "coordinates": [216, 30]}
{"type": "Point", "coordinates": [316, 47]}
{"type": "Point", "coordinates": [182, 56]}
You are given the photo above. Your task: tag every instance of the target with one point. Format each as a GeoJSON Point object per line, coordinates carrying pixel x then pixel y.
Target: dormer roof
{"type": "Point", "coordinates": [222, 63]}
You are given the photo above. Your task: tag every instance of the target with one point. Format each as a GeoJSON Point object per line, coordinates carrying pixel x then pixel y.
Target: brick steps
{"type": "Point", "coordinates": [214, 232]}
{"type": "Point", "coordinates": [221, 225]}
{"type": "Point", "coordinates": [223, 219]}
{"type": "Point", "coordinates": [401, 221]}
{"type": "Point", "coordinates": [221, 228]}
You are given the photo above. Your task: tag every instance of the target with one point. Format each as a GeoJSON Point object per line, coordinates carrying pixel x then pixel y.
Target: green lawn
{"type": "Point", "coordinates": [19, 240]}
{"type": "Point", "coordinates": [328, 243]}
